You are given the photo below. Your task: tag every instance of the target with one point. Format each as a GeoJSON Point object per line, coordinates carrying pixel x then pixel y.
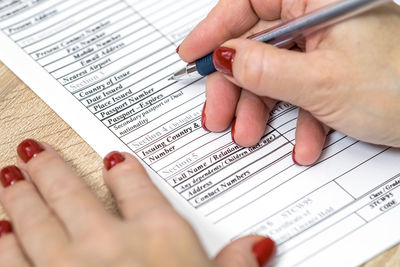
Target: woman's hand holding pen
{"type": "Point", "coordinates": [348, 78]}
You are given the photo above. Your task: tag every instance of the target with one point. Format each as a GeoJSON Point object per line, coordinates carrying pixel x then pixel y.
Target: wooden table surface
{"type": "Point", "coordinates": [25, 115]}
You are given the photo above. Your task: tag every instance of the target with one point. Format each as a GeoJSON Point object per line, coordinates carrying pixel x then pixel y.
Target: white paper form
{"type": "Point", "coordinates": [103, 66]}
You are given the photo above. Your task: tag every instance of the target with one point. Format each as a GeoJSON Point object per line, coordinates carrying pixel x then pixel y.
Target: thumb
{"type": "Point", "coordinates": [249, 251]}
{"type": "Point", "coordinates": [276, 73]}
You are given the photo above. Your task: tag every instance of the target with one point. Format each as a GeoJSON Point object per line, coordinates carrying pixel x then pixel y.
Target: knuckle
{"type": "Point", "coordinates": [37, 221]}
{"type": "Point", "coordinates": [129, 167]}
{"type": "Point", "coordinates": [15, 193]}
{"type": "Point", "coordinates": [244, 73]}
{"type": "Point", "coordinates": [35, 166]}
{"type": "Point", "coordinates": [165, 220]}
{"type": "Point", "coordinates": [254, 69]}
{"type": "Point", "coordinates": [324, 74]}
{"type": "Point", "coordinates": [101, 234]}
{"type": "Point", "coordinates": [57, 190]}
{"type": "Point", "coordinates": [324, 78]}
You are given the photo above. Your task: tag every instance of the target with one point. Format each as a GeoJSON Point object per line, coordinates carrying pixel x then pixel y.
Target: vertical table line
{"type": "Point", "coordinates": [150, 24]}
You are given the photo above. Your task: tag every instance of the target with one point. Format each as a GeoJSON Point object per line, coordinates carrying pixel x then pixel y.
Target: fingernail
{"type": "Point", "coordinates": [264, 250]}
{"type": "Point", "coordinates": [28, 149]}
{"type": "Point", "coordinates": [10, 175]}
{"type": "Point", "coordinates": [5, 228]}
{"type": "Point", "coordinates": [203, 117]}
{"type": "Point", "coordinates": [233, 130]}
{"type": "Point", "coordinates": [223, 59]}
{"type": "Point", "coordinates": [177, 49]}
{"type": "Point", "coordinates": [113, 159]}
{"type": "Point", "coordinates": [294, 157]}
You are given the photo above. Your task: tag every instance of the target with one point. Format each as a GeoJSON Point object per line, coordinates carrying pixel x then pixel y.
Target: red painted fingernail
{"type": "Point", "coordinates": [5, 228]}
{"type": "Point", "coordinates": [223, 59]}
{"type": "Point", "coordinates": [10, 175]}
{"type": "Point", "coordinates": [294, 157]}
{"type": "Point", "coordinates": [233, 130]}
{"type": "Point", "coordinates": [177, 49]}
{"type": "Point", "coordinates": [28, 149]}
{"type": "Point", "coordinates": [113, 159]}
{"type": "Point", "coordinates": [264, 250]}
{"type": "Point", "coordinates": [203, 117]}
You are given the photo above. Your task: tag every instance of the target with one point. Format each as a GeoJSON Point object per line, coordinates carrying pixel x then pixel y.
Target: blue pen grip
{"type": "Point", "coordinates": [205, 65]}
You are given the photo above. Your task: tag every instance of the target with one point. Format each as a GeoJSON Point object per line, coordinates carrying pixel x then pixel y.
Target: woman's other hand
{"type": "Point", "coordinates": [58, 221]}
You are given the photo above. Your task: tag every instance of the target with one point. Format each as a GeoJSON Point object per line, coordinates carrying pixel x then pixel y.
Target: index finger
{"type": "Point", "coordinates": [135, 193]}
{"type": "Point", "coordinates": [227, 20]}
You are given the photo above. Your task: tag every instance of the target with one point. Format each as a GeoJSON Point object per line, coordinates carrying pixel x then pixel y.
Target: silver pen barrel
{"type": "Point", "coordinates": [314, 21]}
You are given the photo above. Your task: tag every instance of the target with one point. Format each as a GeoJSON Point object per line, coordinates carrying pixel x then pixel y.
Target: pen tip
{"type": "Point", "coordinates": [171, 78]}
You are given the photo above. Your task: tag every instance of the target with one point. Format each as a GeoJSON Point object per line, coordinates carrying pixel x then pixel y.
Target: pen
{"type": "Point", "coordinates": [288, 32]}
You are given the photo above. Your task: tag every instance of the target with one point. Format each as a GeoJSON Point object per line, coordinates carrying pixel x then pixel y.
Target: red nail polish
{"type": "Point", "coordinates": [177, 49]}
{"type": "Point", "coordinates": [10, 175]}
{"type": "Point", "coordinates": [203, 117]}
{"type": "Point", "coordinates": [28, 149]}
{"type": "Point", "coordinates": [294, 157]}
{"type": "Point", "coordinates": [113, 159]}
{"type": "Point", "coordinates": [264, 250]}
{"type": "Point", "coordinates": [223, 59]}
{"type": "Point", "coordinates": [233, 130]}
{"type": "Point", "coordinates": [5, 228]}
